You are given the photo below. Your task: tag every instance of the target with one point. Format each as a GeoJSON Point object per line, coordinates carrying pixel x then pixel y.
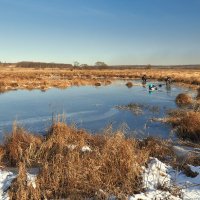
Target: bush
{"type": "Point", "coordinates": [20, 145]}
{"type": "Point", "coordinates": [183, 99]}
{"type": "Point", "coordinates": [188, 125]}
{"type": "Point", "coordinates": [129, 84]}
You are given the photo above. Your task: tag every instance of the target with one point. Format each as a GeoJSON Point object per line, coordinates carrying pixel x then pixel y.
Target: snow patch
{"type": "Point", "coordinates": [86, 148]}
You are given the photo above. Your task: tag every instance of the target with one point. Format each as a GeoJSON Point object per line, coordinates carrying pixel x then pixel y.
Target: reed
{"type": "Point", "coordinates": [31, 78]}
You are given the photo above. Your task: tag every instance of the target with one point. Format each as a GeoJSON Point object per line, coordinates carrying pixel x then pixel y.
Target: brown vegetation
{"type": "Point", "coordinates": [129, 84]}
{"type": "Point", "coordinates": [113, 166]}
{"type": "Point", "coordinates": [159, 148]}
{"type": "Point", "coordinates": [198, 93]}
{"type": "Point", "coordinates": [183, 99]}
{"type": "Point", "coordinates": [44, 78]}
{"type": "Point", "coordinates": [20, 145]}
{"type": "Point", "coordinates": [187, 124]}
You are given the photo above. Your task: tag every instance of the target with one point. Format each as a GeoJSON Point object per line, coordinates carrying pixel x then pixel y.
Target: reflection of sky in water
{"type": "Point", "coordinates": [88, 107]}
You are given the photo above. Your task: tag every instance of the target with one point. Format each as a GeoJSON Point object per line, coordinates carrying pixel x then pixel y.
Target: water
{"type": "Point", "coordinates": [89, 107]}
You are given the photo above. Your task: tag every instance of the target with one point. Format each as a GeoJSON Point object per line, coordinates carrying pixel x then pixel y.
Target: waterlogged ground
{"type": "Point", "coordinates": [89, 107]}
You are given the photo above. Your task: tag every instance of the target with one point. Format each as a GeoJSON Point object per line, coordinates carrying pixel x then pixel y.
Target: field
{"type": "Point", "coordinates": [44, 78]}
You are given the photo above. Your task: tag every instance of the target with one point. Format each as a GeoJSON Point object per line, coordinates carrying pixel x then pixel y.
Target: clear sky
{"type": "Point", "coordinates": [113, 31]}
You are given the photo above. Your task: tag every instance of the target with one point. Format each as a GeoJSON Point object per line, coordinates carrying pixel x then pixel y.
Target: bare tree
{"type": "Point", "coordinates": [76, 64]}
{"type": "Point", "coordinates": [100, 64]}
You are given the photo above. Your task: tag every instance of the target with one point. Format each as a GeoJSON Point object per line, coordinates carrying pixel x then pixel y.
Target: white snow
{"type": "Point", "coordinates": [160, 174]}
{"type": "Point", "coordinates": [31, 179]}
{"type": "Point", "coordinates": [6, 178]}
{"type": "Point", "coordinates": [86, 148]}
{"type": "Point", "coordinates": [71, 146]}
{"type": "Point", "coordinates": [83, 148]}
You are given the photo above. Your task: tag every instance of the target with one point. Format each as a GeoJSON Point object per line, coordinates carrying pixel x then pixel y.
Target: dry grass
{"type": "Point", "coordinates": [112, 167]}
{"type": "Point", "coordinates": [129, 84]}
{"type": "Point", "coordinates": [183, 99]}
{"type": "Point", "coordinates": [20, 145]}
{"type": "Point", "coordinates": [198, 94]}
{"type": "Point", "coordinates": [187, 124]}
{"type": "Point", "coordinates": [158, 148]}
{"type": "Point", "coordinates": [2, 155]}
{"type": "Point", "coordinates": [32, 78]}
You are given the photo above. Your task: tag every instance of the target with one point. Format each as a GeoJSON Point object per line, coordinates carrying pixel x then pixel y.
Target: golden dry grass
{"type": "Point", "coordinates": [112, 167]}
{"type": "Point", "coordinates": [20, 145]}
{"type": "Point", "coordinates": [159, 148]}
{"type": "Point", "coordinates": [187, 124]}
{"type": "Point", "coordinates": [32, 78]}
{"type": "Point", "coordinates": [183, 99]}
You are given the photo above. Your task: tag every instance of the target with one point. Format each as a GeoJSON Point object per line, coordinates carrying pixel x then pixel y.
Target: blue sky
{"type": "Point", "coordinates": [113, 31]}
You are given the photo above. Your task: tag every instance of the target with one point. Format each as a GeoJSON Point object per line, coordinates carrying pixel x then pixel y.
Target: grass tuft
{"type": "Point", "coordinates": [183, 99]}
{"type": "Point", "coordinates": [129, 84]}
{"type": "Point", "coordinates": [187, 125]}
{"type": "Point", "coordinates": [20, 144]}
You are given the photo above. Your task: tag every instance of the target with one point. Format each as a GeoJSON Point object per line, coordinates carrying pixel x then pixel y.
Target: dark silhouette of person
{"type": "Point", "coordinates": [168, 80]}
{"type": "Point", "coordinates": [144, 79]}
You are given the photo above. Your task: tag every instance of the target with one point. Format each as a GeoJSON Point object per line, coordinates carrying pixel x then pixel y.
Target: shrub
{"type": "Point", "coordinates": [188, 125]}
{"type": "Point", "coordinates": [20, 145]}
{"type": "Point", "coordinates": [183, 99]}
{"type": "Point", "coordinates": [97, 84]}
{"type": "Point", "coordinates": [129, 84]}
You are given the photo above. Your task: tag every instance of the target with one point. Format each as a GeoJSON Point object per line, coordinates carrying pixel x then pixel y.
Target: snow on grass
{"type": "Point", "coordinates": [190, 186]}
{"type": "Point", "coordinates": [160, 182]}
{"type": "Point", "coordinates": [86, 148]}
{"type": "Point", "coordinates": [6, 178]}
{"type": "Point", "coordinates": [163, 182]}
{"type": "Point", "coordinates": [31, 179]}
{"type": "Point", "coordinates": [83, 149]}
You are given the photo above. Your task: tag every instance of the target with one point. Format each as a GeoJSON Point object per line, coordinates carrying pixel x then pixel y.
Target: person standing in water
{"type": "Point", "coordinates": [144, 79]}
{"type": "Point", "coordinates": [168, 80]}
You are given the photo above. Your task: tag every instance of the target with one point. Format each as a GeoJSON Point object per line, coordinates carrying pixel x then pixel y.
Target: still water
{"type": "Point", "coordinates": [89, 107]}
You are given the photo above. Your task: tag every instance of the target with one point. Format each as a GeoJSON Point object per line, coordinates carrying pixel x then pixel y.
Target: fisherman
{"type": "Point", "coordinates": [144, 79]}
{"type": "Point", "coordinates": [168, 80]}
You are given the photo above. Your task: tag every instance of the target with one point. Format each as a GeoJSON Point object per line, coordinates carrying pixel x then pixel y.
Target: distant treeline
{"type": "Point", "coordinates": [42, 65]}
{"type": "Point", "coordinates": [85, 66]}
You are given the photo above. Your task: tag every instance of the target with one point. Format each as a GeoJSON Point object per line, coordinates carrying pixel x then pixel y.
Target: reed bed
{"type": "Point", "coordinates": [37, 78]}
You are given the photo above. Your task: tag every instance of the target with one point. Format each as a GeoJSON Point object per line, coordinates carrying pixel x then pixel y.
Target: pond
{"type": "Point", "coordinates": [89, 107]}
